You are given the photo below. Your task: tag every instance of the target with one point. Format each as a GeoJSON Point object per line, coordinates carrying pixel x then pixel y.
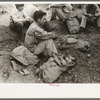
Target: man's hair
{"type": "Point", "coordinates": [19, 5]}
{"type": "Point", "coordinates": [38, 15]}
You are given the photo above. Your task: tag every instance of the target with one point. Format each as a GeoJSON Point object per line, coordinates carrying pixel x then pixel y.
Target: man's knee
{"type": "Point", "coordinates": [50, 41]}
{"type": "Point", "coordinates": [84, 17]}
{"type": "Point", "coordinates": [17, 26]}
{"type": "Point", "coordinates": [20, 24]}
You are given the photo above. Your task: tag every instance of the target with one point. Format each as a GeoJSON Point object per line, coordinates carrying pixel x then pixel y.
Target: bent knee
{"type": "Point", "coordinates": [20, 23]}
{"type": "Point", "coordinates": [50, 40]}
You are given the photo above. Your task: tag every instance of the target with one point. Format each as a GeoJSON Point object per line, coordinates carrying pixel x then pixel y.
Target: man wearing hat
{"type": "Point", "coordinates": [18, 20]}
{"type": "Point", "coordinates": [37, 40]}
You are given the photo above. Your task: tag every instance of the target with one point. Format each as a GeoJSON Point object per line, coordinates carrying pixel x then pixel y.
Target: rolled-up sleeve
{"type": "Point", "coordinates": [41, 34]}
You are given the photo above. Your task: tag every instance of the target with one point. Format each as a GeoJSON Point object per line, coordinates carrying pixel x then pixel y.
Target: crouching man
{"type": "Point", "coordinates": [18, 20]}
{"type": "Point", "coordinates": [92, 14]}
{"type": "Point", "coordinates": [37, 40]}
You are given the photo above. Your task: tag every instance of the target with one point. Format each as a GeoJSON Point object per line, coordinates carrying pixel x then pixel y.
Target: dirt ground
{"type": "Point", "coordinates": [87, 69]}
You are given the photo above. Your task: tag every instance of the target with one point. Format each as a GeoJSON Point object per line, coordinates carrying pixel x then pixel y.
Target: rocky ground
{"type": "Point", "coordinates": [87, 69]}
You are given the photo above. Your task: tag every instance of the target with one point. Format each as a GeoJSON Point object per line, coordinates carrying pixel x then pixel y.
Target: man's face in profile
{"type": "Point", "coordinates": [20, 8]}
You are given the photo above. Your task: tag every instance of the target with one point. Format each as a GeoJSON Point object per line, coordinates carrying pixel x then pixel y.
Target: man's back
{"type": "Point", "coordinates": [30, 9]}
{"type": "Point", "coordinates": [30, 38]}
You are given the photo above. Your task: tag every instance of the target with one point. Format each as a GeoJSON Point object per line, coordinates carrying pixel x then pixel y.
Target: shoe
{"type": "Point", "coordinates": [14, 65]}
{"type": "Point", "coordinates": [26, 72]}
{"type": "Point", "coordinates": [23, 72]}
{"type": "Point", "coordinates": [20, 72]}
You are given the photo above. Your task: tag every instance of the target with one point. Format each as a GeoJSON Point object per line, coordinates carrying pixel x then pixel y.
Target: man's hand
{"type": "Point", "coordinates": [90, 15]}
{"type": "Point", "coordinates": [23, 20]}
{"type": "Point", "coordinates": [28, 19]}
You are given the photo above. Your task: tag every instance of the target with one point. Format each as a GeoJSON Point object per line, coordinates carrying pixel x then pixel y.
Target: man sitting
{"type": "Point", "coordinates": [92, 14]}
{"type": "Point", "coordinates": [18, 20]}
{"type": "Point", "coordinates": [61, 10]}
{"type": "Point", "coordinates": [37, 40]}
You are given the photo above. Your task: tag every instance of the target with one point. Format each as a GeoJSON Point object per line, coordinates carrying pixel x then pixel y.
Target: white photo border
{"type": "Point", "coordinates": [19, 90]}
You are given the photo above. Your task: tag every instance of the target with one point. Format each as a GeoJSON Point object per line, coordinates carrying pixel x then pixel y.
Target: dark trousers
{"type": "Point", "coordinates": [60, 13]}
{"type": "Point", "coordinates": [85, 19]}
{"type": "Point", "coordinates": [19, 28]}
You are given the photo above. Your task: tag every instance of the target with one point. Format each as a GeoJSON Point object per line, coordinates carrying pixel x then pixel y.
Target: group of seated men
{"type": "Point", "coordinates": [37, 39]}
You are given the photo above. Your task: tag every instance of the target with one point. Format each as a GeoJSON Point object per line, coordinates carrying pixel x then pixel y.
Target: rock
{"type": "Point", "coordinates": [89, 55]}
{"type": "Point", "coordinates": [75, 75]}
{"type": "Point", "coordinates": [89, 62]}
{"type": "Point", "coordinates": [5, 75]}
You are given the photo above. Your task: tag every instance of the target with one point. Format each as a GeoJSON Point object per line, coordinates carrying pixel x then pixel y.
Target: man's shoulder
{"type": "Point", "coordinates": [32, 27]}
{"type": "Point", "coordinates": [14, 10]}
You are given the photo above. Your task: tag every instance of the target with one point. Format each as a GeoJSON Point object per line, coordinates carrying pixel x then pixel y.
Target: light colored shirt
{"type": "Point", "coordinates": [17, 15]}
{"type": "Point", "coordinates": [35, 34]}
{"type": "Point", "coordinates": [30, 10]}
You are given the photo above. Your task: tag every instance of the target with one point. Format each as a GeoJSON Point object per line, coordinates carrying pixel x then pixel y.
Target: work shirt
{"type": "Point", "coordinates": [35, 34]}
{"type": "Point", "coordinates": [91, 9]}
{"type": "Point", "coordinates": [17, 15]}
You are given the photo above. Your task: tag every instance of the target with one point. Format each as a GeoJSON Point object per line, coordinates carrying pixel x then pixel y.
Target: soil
{"type": "Point", "coordinates": [87, 69]}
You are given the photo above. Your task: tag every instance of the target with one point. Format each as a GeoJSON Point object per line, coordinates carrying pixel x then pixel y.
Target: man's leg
{"type": "Point", "coordinates": [58, 12]}
{"type": "Point", "coordinates": [20, 30]}
{"type": "Point", "coordinates": [40, 48]}
{"type": "Point", "coordinates": [83, 22]}
{"type": "Point", "coordinates": [98, 21]}
{"type": "Point", "coordinates": [25, 27]}
{"type": "Point", "coordinates": [50, 46]}
{"type": "Point", "coordinates": [46, 46]}
{"type": "Point", "coordinates": [18, 27]}
{"type": "Point", "coordinates": [61, 14]}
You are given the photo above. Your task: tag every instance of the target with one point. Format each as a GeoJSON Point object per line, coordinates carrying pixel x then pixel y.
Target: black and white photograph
{"type": "Point", "coordinates": [49, 43]}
